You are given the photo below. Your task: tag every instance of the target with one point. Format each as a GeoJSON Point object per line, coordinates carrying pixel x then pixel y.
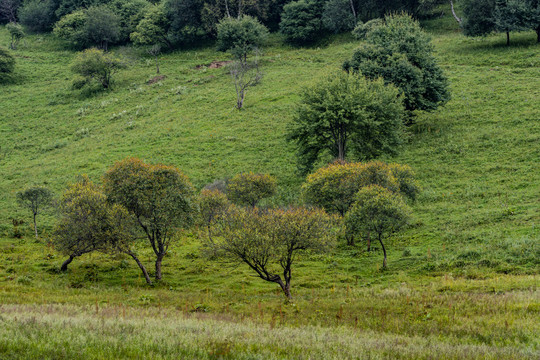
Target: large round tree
{"type": "Point", "coordinates": [347, 115]}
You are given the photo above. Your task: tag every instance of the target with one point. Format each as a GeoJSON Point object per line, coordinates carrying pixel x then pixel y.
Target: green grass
{"type": "Point", "coordinates": [462, 281]}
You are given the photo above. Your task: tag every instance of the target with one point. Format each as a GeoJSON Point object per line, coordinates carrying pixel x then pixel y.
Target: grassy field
{"type": "Point", "coordinates": [462, 281]}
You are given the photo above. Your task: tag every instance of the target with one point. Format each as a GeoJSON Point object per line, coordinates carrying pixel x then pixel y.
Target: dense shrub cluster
{"type": "Point", "coordinates": [177, 22]}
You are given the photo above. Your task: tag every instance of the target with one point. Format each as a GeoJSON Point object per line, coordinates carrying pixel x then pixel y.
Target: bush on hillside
{"type": "Point", "coordinates": [402, 54]}
{"type": "Point", "coordinates": [96, 66]}
{"type": "Point", "coordinates": [240, 36]}
{"type": "Point", "coordinates": [247, 189]}
{"type": "Point", "coordinates": [38, 15]}
{"type": "Point", "coordinates": [7, 65]}
{"type": "Point", "coordinates": [301, 21]}
{"type": "Point", "coordinates": [338, 16]}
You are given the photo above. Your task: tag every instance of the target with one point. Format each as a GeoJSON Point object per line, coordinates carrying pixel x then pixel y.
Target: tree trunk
{"type": "Point", "coordinates": [384, 252]}
{"type": "Point", "coordinates": [455, 15]}
{"type": "Point", "coordinates": [65, 264]}
{"type": "Point", "coordinates": [508, 38]}
{"type": "Point", "coordinates": [141, 266]}
{"type": "Point", "coordinates": [368, 242]}
{"type": "Point", "coordinates": [158, 266]}
{"type": "Point", "coordinates": [157, 65]}
{"type": "Point", "coordinates": [354, 12]}
{"type": "Point", "coordinates": [350, 240]}
{"type": "Point", "coordinates": [341, 151]}
{"type": "Point", "coordinates": [35, 226]}
{"type": "Point", "coordinates": [286, 287]}
{"type": "Point", "coordinates": [538, 34]}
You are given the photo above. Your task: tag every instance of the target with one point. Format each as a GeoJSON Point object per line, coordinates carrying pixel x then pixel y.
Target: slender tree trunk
{"type": "Point", "coordinates": [227, 8]}
{"type": "Point", "coordinates": [350, 240]}
{"type": "Point", "coordinates": [341, 151]}
{"type": "Point", "coordinates": [458, 19]}
{"type": "Point", "coordinates": [35, 226]}
{"type": "Point", "coordinates": [508, 38]}
{"type": "Point", "coordinates": [353, 11]}
{"type": "Point", "coordinates": [368, 242]}
{"type": "Point", "coordinates": [65, 264]}
{"type": "Point", "coordinates": [157, 64]}
{"type": "Point", "coordinates": [538, 34]}
{"type": "Point", "coordinates": [286, 287]}
{"type": "Point", "coordinates": [384, 252]}
{"type": "Point", "coordinates": [159, 259]}
{"type": "Point", "coordinates": [141, 266]}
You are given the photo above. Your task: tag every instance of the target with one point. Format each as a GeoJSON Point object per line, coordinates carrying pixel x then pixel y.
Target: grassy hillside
{"type": "Point", "coordinates": [463, 281]}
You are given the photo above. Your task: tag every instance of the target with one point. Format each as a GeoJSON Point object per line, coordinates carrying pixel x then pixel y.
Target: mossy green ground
{"type": "Point", "coordinates": [465, 274]}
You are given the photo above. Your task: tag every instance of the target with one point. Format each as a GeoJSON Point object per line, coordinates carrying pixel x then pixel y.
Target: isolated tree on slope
{"type": "Point", "coordinates": [36, 199]}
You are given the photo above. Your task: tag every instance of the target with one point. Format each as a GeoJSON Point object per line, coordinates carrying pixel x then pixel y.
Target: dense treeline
{"type": "Point", "coordinates": [87, 23]}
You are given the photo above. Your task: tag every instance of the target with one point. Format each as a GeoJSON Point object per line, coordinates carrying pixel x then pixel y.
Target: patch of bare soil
{"type": "Point", "coordinates": [156, 79]}
{"type": "Point", "coordinates": [213, 65]}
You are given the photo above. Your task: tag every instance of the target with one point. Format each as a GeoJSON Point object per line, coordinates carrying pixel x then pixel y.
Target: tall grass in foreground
{"type": "Point", "coordinates": [69, 332]}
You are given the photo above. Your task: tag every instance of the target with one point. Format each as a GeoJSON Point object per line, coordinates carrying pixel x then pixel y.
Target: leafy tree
{"type": "Point", "coordinates": [511, 15]}
{"type": "Point", "coordinates": [333, 187]}
{"type": "Point", "coordinates": [71, 28]}
{"type": "Point", "coordinates": [478, 17]}
{"type": "Point", "coordinates": [534, 17]}
{"type": "Point", "coordinates": [339, 16]}
{"type": "Point", "coordinates": [248, 189]}
{"type": "Point", "coordinates": [240, 36]}
{"type": "Point", "coordinates": [301, 21]}
{"type": "Point", "coordinates": [95, 65]}
{"type": "Point", "coordinates": [38, 15]}
{"type": "Point", "coordinates": [406, 178]}
{"type": "Point", "coordinates": [402, 54]}
{"type": "Point", "coordinates": [95, 26]}
{"type": "Point", "coordinates": [270, 241]}
{"type": "Point", "coordinates": [153, 28]}
{"type": "Point", "coordinates": [85, 223]}
{"type": "Point", "coordinates": [212, 204]}
{"type": "Point", "coordinates": [377, 211]}
{"type": "Point", "coordinates": [347, 114]}
{"type": "Point", "coordinates": [184, 17]}
{"type": "Point", "coordinates": [7, 65]}
{"type": "Point", "coordinates": [16, 32]}
{"type": "Point", "coordinates": [102, 27]}
{"type": "Point", "coordinates": [160, 197]}
{"type": "Point", "coordinates": [36, 199]}
{"type": "Point", "coordinates": [129, 13]}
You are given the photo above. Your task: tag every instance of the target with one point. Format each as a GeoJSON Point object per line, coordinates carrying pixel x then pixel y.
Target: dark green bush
{"type": "Point", "coordinates": [37, 15]}
{"type": "Point", "coordinates": [241, 36]}
{"type": "Point", "coordinates": [301, 21]}
{"type": "Point", "coordinates": [7, 65]}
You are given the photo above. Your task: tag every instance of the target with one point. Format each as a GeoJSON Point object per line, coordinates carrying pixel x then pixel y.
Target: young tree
{"type": "Point", "coordinates": [83, 226]}
{"type": "Point", "coordinates": [16, 32]}
{"type": "Point", "coordinates": [347, 114]}
{"type": "Point", "coordinates": [71, 28]}
{"type": "Point", "coordinates": [301, 21]}
{"type": "Point", "coordinates": [402, 54]}
{"type": "Point", "coordinates": [95, 65]}
{"type": "Point", "coordinates": [511, 15]}
{"type": "Point", "coordinates": [212, 204]}
{"type": "Point", "coordinates": [247, 189]}
{"type": "Point", "coordinates": [160, 197]}
{"type": "Point", "coordinates": [241, 36]}
{"type": "Point", "coordinates": [245, 75]}
{"type": "Point", "coordinates": [269, 240]}
{"type": "Point", "coordinates": [36, 199]}
{"type": "Point", "coordinates": [7, 65]}
{"type": "Point", "coordinates": [377, 211]}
